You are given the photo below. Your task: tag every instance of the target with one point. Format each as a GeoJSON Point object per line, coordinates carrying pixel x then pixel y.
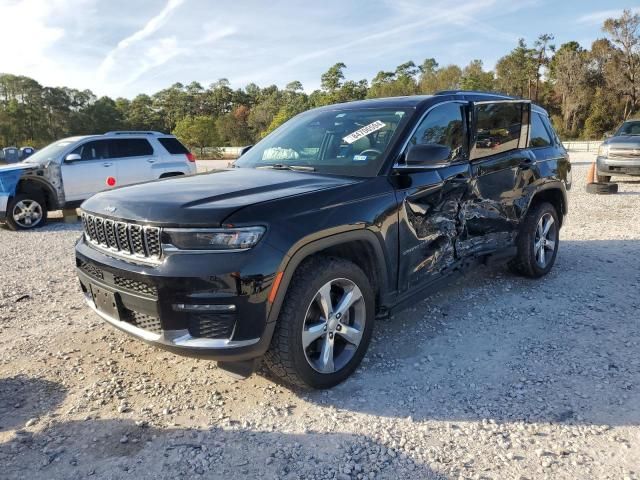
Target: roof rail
{"type": "Point", "coordinates": [134, 132]}
{"type": "Point", "coordinates": [471, 92]}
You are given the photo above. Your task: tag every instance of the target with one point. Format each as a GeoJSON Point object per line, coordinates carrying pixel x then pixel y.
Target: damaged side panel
{"type": "Point", "coordinates": [47, 178]}
{"type": "Point", "coordinates": [429, 222]}
{"type": "Point", "coordinates": [9, 179]}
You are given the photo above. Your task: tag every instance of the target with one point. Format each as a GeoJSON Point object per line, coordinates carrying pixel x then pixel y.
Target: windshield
{"type": "Point", "coordinates": [50, 152]}
{"type": "Point", "coordinates": [629, 128]}
{"type": "Point", "coordinates": [348, 142]}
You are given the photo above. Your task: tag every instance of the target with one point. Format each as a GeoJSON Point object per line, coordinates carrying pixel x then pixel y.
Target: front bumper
{"type": "Point", "coordinates": [618, 166]}
{"type": "Point", "coordinates": [142, 301]}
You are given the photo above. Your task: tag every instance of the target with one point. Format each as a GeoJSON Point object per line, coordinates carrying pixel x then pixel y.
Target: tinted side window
{"type": "Point", "coordinates": [173, 146]}
{"type": "Point", "coordinates": [96, 150]}
{"type": "Point", "coordinates": [539, 134]}
{"type": "Point", "coordinates": [130, 147]}
{"type": "Point", "coordinates": [497, 128]}
{"type": "Point", "coordinates": [443, 126]}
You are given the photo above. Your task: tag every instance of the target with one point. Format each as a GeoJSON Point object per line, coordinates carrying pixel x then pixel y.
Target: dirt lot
{"type": "Point", "coordinates": [494, 377]}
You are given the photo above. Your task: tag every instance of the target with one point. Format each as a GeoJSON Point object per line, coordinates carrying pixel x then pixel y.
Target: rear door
{"type": "Point", "coordinates": [134, 159]}
{"type": "Point", "coordinates": [87, 176]}
{"type": "Point", "coordinates": [500, 167]}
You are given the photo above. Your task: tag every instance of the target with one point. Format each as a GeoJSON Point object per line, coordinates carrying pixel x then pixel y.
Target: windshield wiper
{"type": "Point", "coordinates": [280, 166]}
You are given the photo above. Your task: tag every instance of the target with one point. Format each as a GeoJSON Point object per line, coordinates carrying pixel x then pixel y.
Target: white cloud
{"type": "Point", "coordinates": [598, 18]}
{"type": "Point", "coordinates": [26, 35]}
{"type": "Point", "coordinates": [122, 52]}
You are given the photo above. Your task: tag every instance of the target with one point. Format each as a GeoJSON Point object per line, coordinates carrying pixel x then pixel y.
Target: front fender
{"type": "Point", "coordinates": [320, 241]}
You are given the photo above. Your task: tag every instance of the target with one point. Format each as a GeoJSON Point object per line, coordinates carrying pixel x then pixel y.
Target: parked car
{"type": "Point", "coordinates": [344, 213]}
{"type": "Point", "coordinates": [620, 153]}
{"type": "Point", "coordinates": [69, 171]}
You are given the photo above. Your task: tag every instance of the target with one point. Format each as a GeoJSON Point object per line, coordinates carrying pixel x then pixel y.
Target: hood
{"type": "Point", "coordinates": [205, 199]}
{"type": "Point", "coordinates": [17, 166]}
{"type": "Point", "coordinates": [624, 141]}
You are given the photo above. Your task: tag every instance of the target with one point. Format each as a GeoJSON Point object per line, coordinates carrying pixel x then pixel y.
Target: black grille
{"type": "Point", "coordinates": [135, 285]}
{"type": "Point", "coordinates": [91, 270]}
{"type": "Point", "coordinates": [137, 242]}
{"type": "Point", "coordinates": [211, 325]}
{"type": "Point", "coordinates": [110, 234]}
{"type": "Point", "coordinates": [624, 153]}
{"type": "Point", "coordinates": [153, 242]}
{"type": "Point", "coordinates": [142, 320]}
{"type": "Point", "coordinates": [122, 237]}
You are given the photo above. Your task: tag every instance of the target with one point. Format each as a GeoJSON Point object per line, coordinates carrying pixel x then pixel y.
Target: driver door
{"type": "Point", "coordinates": [429, 198]}
{"type": "Point", "coordinates": [82, 178]}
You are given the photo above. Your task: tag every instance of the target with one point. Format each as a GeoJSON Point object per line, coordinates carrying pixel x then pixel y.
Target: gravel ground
{"type": "Point", "coordinates": [495, 376]}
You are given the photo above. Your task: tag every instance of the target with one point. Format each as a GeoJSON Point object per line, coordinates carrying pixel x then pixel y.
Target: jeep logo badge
{"type": "Point", "coordinates": [110, 209]}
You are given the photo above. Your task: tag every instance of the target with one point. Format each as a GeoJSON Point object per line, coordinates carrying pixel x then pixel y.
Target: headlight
{"type": "Point", "coordinates": [603, 150]}
{"type": "Point", "coordinates": [240, 238]}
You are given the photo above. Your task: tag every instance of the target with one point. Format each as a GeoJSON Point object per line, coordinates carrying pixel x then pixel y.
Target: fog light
{"type": "Point", "coordinates": [187, 307]}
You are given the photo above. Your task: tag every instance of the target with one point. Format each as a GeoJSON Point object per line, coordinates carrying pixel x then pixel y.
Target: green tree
{"type": "Point", "coordinates": [475, 78]}
{"type": "Point", "coordinates": [197, 132]}
{"type": "Point", "coordinates": [625, 35]}
{"type": "Point", "coordinates": [516, 71]}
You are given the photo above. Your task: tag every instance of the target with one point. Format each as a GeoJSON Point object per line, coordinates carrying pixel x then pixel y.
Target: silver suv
{"type": "Point", "coordinates": [69, 171]}
{"type": "Point", "coordinates": [620, 153]}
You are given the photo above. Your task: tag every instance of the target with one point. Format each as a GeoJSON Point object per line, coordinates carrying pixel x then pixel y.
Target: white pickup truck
{"type": "Point", "coordinates": [67, 172]}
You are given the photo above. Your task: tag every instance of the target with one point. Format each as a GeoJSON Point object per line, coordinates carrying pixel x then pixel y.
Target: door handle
{"type": "Point", "coordinates": [525, 164]}
{"type": "Point", "coordinates": [151, 160]}
{"type": "Point", "coordinates": [107, 164]}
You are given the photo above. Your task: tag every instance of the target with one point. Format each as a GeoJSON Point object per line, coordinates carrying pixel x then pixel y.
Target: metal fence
{"type": "Point", "coordinates": [582, 145]}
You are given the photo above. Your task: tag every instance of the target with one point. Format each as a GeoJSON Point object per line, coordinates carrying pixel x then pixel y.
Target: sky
{"type": "Point", "coordinates": [127, 47]}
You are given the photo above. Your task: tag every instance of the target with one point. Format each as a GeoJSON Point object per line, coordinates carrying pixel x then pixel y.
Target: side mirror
{"type": "Point", "coordinates": [430, 155]}
{"type": "Point", "coordinates": [72, 157]}
{"type": "Point", "coordinates": [244, 150]}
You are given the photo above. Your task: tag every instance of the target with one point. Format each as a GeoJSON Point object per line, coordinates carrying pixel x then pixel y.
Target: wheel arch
{"type": "Point", "coordinates": [37, 185]}
{"type": "Point", "coordinates": [555, 195]}
{"type": "Point", "coordinates": [360, 246]}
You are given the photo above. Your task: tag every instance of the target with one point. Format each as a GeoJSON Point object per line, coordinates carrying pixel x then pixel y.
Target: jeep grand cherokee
{"type": "Point", "coordinates": [343, 213]}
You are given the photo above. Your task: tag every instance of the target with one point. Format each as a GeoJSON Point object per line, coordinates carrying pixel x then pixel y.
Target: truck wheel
{"type": "Point", "coordinates": [26, 211]}
{"type": "Point", "coordinates": [537, 242]}
{"type": "Point", "coordinates": [325, 324]}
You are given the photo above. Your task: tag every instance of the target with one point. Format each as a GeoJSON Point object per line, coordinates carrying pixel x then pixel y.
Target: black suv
{"type": "Point", "coordinates": [342, 214]}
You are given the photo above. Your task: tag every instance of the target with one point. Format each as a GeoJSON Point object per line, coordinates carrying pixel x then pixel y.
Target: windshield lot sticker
{"type": "Point", "coordinates": [364, 131]}
{"type": "Point", "coordinates": [359, 158]}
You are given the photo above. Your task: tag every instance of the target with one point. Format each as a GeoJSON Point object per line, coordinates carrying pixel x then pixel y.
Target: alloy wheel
{"type": "Point", "coordinates": [27, 213]}
{"type": "Point", "coordinates": [545, 240]}
{"type": "Point", "coordinates": [334, 325]}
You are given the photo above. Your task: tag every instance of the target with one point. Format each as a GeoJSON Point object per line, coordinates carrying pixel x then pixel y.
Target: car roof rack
{"type": "Point", "coordinates": [134, 132]}
{"type": "Point", "coordinates": [471, 92]}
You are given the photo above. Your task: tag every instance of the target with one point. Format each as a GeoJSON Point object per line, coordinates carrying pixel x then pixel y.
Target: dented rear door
{"type": "Point", "coordinates": [500, 166]}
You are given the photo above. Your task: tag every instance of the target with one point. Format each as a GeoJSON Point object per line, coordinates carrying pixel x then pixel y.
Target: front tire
{"type": "Point", "coordinates": [325, 324]}
{"type": "Point", "coordinates": [537, 242]}
{"type": "Point", "coordinates": [26, 211]}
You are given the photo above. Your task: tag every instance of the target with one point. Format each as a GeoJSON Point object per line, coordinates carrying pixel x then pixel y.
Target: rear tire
{"type": "Point", "coordinates": [308, 351]}
{"type": "Point", "coordinates": [537, 242]}
{"type": "Point", "coordinates": [26, 211]}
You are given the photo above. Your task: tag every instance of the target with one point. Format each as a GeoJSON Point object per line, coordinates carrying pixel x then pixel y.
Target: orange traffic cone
{"type": "Point", "coordinates": [591, 174]}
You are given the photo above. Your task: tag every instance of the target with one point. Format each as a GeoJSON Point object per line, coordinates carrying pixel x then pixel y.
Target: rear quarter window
{"type": "Point", "coordinates": [173, 146]}
{"type": "Point", "coordinates": [540, 136]}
